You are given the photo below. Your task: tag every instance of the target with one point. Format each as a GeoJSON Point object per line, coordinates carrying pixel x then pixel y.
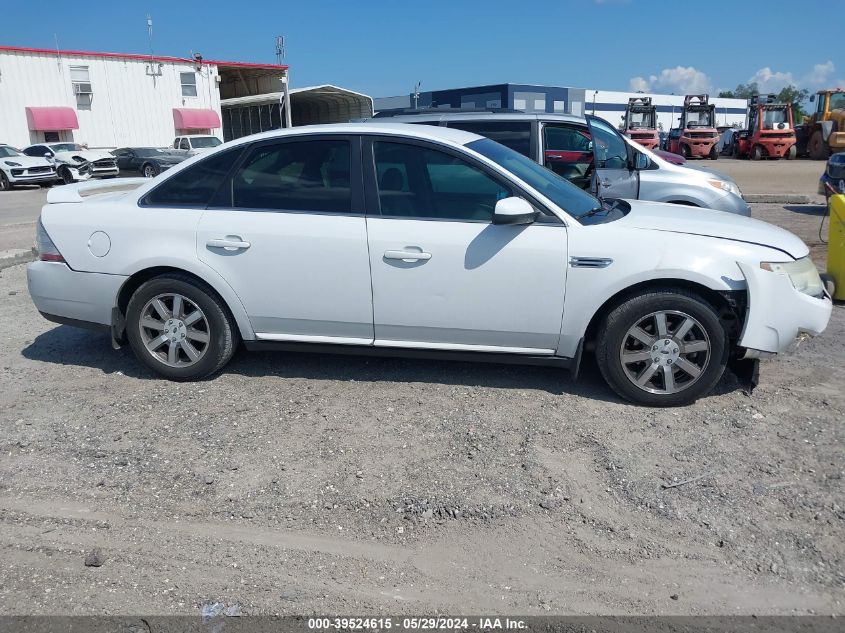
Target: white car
{"type": "Point", "coordinates": [19, 169]}
{"type": "Point", "coordinates": [193, 144]}
{"type": "Point", "coordinates": [418, 241]}
{"type": "Point", "coordinates": [74, 162]}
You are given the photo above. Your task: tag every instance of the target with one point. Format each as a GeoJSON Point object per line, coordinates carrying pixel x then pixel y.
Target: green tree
{"type": "Point", "coordinates": [795, 96]}
{"type": "Point", "coordinates": [742, 91]}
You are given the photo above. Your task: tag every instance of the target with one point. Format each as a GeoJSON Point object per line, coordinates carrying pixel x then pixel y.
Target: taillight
{"type": "Point", "coordinates": [47, 251]}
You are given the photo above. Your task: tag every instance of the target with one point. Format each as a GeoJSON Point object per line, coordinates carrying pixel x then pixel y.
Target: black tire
{"type": "Point", "coordinates": [615, 328]}
{"type": "Point", "coordinates": [756, 153]}
{"type": "Point", "coordinates": [5, 185]}
{"type": "Point", "coordinates": [149, 170]}
{"type": "Point", "coordinates": [714, 153]}
{"type": "Point", "coordinates": [818, 148]}
{"type": "Point", "coordinates": [791, 153]}
{"type": "Point", "coordinates": [66, 176]}
{"type": "Point", "coordinates": [685, 151]}
{"type": "Point", "coordinates": [222, 336]}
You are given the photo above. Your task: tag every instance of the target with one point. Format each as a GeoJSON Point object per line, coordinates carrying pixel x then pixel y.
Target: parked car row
{"type": "Point", "coordinates": [432, 241]}
{"type": "Point", "coordinates": [47, 163]}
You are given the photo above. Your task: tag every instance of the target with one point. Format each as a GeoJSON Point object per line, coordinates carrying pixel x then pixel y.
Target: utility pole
{"type": "Point", "coordinates": [284, 99]}
{"type": "Point", "coordinates": [417, 95]}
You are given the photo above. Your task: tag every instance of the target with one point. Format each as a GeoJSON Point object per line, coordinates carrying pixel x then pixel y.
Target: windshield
{"type": "Point", "coordinates": [8, 152]}
{"type": "Point", "coordinates": [640, 119]}
{"type": "Point", "coordinates": [66, 147]}
{"type": "Point", "coordinates": [699, 119]}
{"type": "Point", "coordinates": [837, 101]}
{"type": "Point", "coordinates": [148, 151]}
{"type": "Point", "coordinates": [774, 116]}
{"type": "Point", "coordinates": [576, 202]}
{"type": "Point", "coordinates": [205, 141]}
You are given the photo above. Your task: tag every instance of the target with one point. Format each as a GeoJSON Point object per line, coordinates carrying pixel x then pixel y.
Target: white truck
{"type": "Point", "coordinates": [191, 144]}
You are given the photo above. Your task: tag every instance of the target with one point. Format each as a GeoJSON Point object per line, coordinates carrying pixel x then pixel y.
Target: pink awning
{"type": "Point", "coordinates": [51, 119]}
{"type": "Point", "coordinates": [195, 119]}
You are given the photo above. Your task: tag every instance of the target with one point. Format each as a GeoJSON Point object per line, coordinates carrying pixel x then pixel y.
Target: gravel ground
{"type": "Point", "coordinates": [311, 483]}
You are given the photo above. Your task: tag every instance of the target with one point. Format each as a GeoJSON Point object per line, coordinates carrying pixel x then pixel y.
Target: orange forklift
{"type": "Point", "coordinates": [641, 122]}
{"type": "Point", "coordinates": [770, 133]}
{"type": "Point", "coordinates": [696, 137]}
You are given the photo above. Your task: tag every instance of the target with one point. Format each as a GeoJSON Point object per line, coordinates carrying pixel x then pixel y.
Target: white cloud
{"type": "Point", "coordinates": [680, 80]}
{"type": "Point", "coordinates": [769, 80]}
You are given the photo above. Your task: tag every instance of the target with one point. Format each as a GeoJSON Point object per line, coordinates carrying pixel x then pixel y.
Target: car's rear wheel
{"type": "Point", "coordinates": [5, 185]}
{"type": "Point", "coordinates": [150, 171]}
{"type": "Point", "coordinates": [179, 327]}
{"type": "Point", "coordinates": [662, 348]}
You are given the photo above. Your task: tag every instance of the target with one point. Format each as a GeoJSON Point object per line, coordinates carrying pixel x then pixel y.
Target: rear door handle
{"type": "Point", "coordinates": [407, 256]}
{"type": "Point", "coordinates": [229, 243]}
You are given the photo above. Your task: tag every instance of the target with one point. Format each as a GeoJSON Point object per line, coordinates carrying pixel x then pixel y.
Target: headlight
{"type": "Point", "coordinates": [802, 273]}
{"type": "Point", "coordinates": [11, 164]}
{"type": "Point", "coordinates": [724, 185]}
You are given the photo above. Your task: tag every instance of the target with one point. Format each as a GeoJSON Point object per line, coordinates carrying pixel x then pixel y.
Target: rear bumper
{"type": "Point", "coordinates": [779, 316]}
{"type": "Point", "coordinates": [70, 296]}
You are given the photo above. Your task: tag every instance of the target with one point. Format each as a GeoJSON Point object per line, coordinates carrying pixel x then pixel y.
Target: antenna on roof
{"type": "Point", "coordinates": [150, 32]}
{"type": "Point", "coordinates": [153, 69]}
{"type": "Point", "coordinates": [280, 49]}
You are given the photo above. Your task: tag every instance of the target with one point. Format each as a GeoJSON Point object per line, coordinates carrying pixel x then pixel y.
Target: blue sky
{"type": "Point", "coordinates": [384, 48]}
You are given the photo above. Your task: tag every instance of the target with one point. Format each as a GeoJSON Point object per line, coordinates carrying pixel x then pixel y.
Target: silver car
{"type": "Point", "coordinates": [591, 153]}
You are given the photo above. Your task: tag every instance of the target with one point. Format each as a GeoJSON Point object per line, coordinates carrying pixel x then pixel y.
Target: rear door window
{"type": "Point", "coordinates": [513, 134]}
{"type": "Point", "coordinates": [309, 175]}
{"type": "Point", "coordinates": [568, 151]}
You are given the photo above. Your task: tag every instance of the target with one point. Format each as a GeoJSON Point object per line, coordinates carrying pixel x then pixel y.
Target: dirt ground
{"type": "Point", "coordinates": [320, 484]}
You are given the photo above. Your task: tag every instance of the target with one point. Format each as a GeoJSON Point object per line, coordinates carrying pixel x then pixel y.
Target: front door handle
{"type": "Point", "coordinates": [407, 256]}
{"type": "Point", "coordinates": [229, 243]}
{"type": "Point", "coordinates": [605, 183]}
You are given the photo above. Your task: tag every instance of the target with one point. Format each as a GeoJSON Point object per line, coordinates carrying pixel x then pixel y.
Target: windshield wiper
{"type": "Point", "coordinates": [603, 207]}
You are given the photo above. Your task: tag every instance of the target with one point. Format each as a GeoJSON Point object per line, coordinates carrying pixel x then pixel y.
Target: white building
{"type": "Point", "coordinates": [114, 100]}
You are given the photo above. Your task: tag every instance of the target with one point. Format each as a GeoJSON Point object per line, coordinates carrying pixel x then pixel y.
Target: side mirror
{"type": "Point", "coordinates": [514, 211]}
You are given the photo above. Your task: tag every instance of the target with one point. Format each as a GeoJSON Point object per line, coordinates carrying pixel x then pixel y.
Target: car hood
{"type": "Point", "coordinates": [678, 218]}
{"type": "Point", "coordinates": [86, 154]}
{"type": "Point", "coordinates": [26, 161]}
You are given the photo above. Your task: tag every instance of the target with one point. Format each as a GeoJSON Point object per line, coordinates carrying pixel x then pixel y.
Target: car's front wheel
{"type": "Point", "coordinates": [66, 175]}
{"type": "Point", "coordinates": [662, 348]}
{"type": "Point", "coordinates": [5, 185]}
{"type": "Point", "coordinates": [179, 327]}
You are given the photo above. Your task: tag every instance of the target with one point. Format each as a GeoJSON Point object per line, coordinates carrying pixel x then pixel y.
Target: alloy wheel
{"type": "Point", "coordinates": [174, 330]}
{"type": "Point", "coordinates": [149, 171]}
{"type": "Point", "coordinates": [665, 352]}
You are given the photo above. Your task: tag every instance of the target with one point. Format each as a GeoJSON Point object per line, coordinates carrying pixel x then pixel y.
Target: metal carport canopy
{"type": "Point", "coordinates": [315, 104]}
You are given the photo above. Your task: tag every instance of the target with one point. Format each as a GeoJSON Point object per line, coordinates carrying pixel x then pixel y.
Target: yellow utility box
{"type": "Point", "coordinates": [836, 245]}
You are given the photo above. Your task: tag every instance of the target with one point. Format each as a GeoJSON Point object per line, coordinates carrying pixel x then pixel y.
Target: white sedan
{"type": "Point", "coordinates": [19, 169]}
{"type": "Point", "coordinates": [418, 241]}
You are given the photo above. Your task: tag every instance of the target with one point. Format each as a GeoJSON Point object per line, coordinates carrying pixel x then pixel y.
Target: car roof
{"type": "Point", "coordinates": [425, 132]}
{"type": "Point", "coordinates": [451, 115]}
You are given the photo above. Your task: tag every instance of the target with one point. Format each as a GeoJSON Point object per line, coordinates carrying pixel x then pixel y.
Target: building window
{"type": "Point", "coordinates": [81, 83]}
{"type": "Point", "coordinates": [189, 84]}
